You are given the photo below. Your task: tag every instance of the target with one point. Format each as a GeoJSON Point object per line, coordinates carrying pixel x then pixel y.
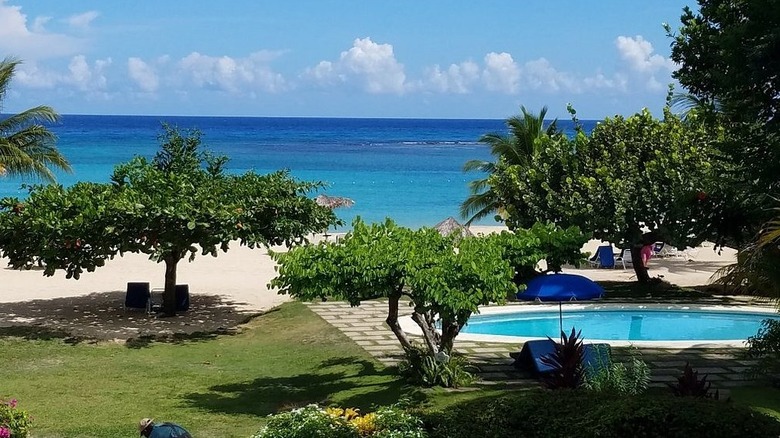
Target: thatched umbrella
{"type": "Point", "coordinates": [451, 226]}
{"type": "Point", "coordinates": [333, 201]}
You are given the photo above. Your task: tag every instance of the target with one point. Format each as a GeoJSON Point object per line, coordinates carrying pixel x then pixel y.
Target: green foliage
{"type": "Point", "coordinates": [314, 422]}
{"type": "Point", "coordinates": [553, 414]}
{"type": "Point", "coordinates": [629, 378]}
{"type": "Point", "coordinates": [27, 146]}
{"type": "Point", "coordinates": [521, 143]}
{"type": "Point", "coordinates": [13, 420]}
{"type": "Point", "coordinates": [765, 346]}
{"type": "Point", "coordinates": [307, 422]}
{"type": "Point", "coordinates": [385, 260]}
{"type": "Point", "coordinates": [568, 371]}
{"type": "Point", "coordinates": [524, 248]}
{"type": "Point", "coordinates": [178, 204]}
{"type": "Point", "coordinates": [690, 385]}
{"type": "Point", "coordinates": [423, 369]}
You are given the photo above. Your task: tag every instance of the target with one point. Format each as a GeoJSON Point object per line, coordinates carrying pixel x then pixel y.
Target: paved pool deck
{"type": "Point", "coordinates": [365, 325]}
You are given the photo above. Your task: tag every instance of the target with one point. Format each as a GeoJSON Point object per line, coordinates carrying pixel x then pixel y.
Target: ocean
{"type": "Point", "coordinates": [407, 169]}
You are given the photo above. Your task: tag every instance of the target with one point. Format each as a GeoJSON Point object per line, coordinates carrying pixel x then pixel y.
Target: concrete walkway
{"type": "Point", "coordinates": [365, 326]}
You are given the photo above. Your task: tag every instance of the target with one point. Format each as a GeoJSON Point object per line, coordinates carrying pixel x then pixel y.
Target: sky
{"type": "Point", "coordinates": [346, 58]}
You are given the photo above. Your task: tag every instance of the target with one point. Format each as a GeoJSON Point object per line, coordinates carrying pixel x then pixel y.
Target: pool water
{"type": "Point", "coordinates": [626, 325]}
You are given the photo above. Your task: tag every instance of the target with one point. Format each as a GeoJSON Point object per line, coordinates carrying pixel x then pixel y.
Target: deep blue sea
{"type": "Point", "coordinates": [406, 169]}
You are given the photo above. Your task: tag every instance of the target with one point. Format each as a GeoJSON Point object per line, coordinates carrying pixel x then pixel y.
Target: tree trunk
{"type": "Point", "coordinates": [169, 296]}
{"type": "Point", "coordinates": [428, 326]}
{"type": "Point", "coordinates": [449, 330]}
{"type": "Point", "coordinates": [642, 275]}
{"type": "Point", "coordinates": [392, 321]}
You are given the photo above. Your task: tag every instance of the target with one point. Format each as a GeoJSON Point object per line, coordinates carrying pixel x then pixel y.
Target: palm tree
{"type": "Point", "coordinates": [26, 146]}
{"type": "Point", "coordinates": [517, 148]}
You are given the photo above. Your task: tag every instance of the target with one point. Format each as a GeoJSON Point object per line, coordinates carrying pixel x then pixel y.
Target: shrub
{"type": "Point", "coordinates": [314, 422]}
{"type": "Point", "coordinates": [422, 369]}
{"type": "Point", "coordinates": [689, 384]}
{"type": "Point", "coordinates": [629, 378]}
{"type": "Point", "coordinates": [14, 422]}
{"type": "Point", "coordinates": [536, 414]}
{"type": "Point", "coordinates": [765, 346]}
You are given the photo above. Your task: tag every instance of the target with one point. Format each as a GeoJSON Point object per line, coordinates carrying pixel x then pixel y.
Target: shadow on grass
{"type": "Point", "coordinates": [37, 333]}
{"type": "Point", "coordinates": [347, 381]}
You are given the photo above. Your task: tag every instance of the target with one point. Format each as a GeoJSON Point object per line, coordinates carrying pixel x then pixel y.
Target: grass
{"type": "Point", "coordinates": [219, 387]}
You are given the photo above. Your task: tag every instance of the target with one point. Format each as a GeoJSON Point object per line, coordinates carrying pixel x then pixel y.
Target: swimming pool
{"type": "Point", "coordinates": [616, 324]}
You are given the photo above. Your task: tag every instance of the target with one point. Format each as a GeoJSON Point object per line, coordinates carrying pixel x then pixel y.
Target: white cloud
{"type": "Point", "coordinates": [80, 75]}
{"type": "Point", "coordinates": [232, 75]}
{"type": "Point", "coordinates": [83, 20]}
{"type": "Point", "coordinates": [501, 73]}
{"type": "Point", "coordinates": [143, 75]}
{"type": "Point", "coordinates": [457, 78]}
{"type": "Point", "coordinates": [17, 39]}
{"type": "Point", "coordinates": [539, 74]}
{"type": "Point", "coordinates": [638, 53]}
{"type": "Point", "coordinates": [367, 63]}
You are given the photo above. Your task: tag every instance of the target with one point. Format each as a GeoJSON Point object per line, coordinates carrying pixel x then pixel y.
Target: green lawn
{"type": "Point", "coordinates": [216, 386]}
{"type": "Point", "coordinates": [221, 387]}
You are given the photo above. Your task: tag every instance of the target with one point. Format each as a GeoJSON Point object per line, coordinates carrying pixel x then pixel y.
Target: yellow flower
{"type": "Point", "coordinates": [365, 425]}
{"type": "Point", "coordinates": [351, 413]}
{"type": "Point", "coordinates": [334, 412]}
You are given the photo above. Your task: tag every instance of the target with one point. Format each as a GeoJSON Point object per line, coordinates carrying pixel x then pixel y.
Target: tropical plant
{"type": "Point", "coordinates": [421, 368]}
{"type": "Point", "coordinates": [630, 378]}
{"type": "Point", "coordinates": [516, 148]}
{"type": "Point", "coordinates": [27, 147]}
{"type": "Point", "coordinates": [765, 348]}
{"type": "Point", "coordinates": [689, 384]}
{"type": "Point", "coordinates": [566, 361]}
{"type": "Point", "coordinates": [174, 206]}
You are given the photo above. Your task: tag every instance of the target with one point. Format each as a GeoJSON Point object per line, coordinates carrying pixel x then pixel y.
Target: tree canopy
{"type": "Point", "coordinates": [27, 146]}
{"type": "Point", "coordinates": [179, 203]}
{"type": "Point", "coordinates": [442, 278]}
{"type": "Point", "coordinates": [630, 175]}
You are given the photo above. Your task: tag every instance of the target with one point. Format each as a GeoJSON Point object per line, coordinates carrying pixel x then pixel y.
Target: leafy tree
{"type": "Point", "coordinates": [518, 147]}
{"type": "Point", "coordinates": [629, 174]}
{"type": "Point", "coordinates": [178, 204]}
{"type": "Point", "coordinates": [441, 278]}
{"type": "Point", "coordinates": [27, 147]}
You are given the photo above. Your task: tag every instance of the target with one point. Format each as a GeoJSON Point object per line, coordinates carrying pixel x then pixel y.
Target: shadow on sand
{"type": "Point", "coordinates": [101, 317]}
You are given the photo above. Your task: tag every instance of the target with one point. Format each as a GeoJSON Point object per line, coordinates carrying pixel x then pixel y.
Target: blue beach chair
{"type": "Point", "coordinates": [138, 296]}
{"type": "Point", "coordinates": [594, 357]}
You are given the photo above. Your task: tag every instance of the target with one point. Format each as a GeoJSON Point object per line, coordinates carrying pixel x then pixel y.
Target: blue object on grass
{"type": "Point", "coordinates": [561, 287]}
{"type": "Point", "coordinates": [594, 357]}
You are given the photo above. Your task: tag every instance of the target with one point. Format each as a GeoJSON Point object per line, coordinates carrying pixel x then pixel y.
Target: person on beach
{"type": "Point", "coordinates": [646, 253]}
{"type": "Point", "coordinates": [147, 428]}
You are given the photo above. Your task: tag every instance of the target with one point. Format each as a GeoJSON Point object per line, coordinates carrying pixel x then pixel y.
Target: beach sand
{"type": "Point", "coordinates": [225, 291]}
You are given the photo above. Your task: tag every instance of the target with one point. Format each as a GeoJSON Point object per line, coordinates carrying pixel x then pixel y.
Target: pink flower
{"type": "Point", "coordinates": [5, 433]}
{"type": "Point", "coordinates": [12, 404]}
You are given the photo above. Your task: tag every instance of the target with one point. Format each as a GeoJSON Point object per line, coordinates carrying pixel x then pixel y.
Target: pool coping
{"type": "Point", "coordinates": [410, 326]}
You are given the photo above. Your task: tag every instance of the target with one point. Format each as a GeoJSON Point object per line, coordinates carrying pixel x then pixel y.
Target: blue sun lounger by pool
{"type": "Point", "coordinates": [595, 356]}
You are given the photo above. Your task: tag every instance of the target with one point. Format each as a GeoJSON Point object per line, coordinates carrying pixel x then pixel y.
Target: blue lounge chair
{"type": "Point", "coordinates": [595, 357]}
{"type": "Point", "coordinates": [182, 297]}
{"type": "Point", "coordinates": [605, 258]}
{"type": "Point", "coordinates": [138, 296]}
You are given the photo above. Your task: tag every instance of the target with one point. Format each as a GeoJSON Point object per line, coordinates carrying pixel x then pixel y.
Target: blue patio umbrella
{"type": "Point", "coordinates": [561, 287]}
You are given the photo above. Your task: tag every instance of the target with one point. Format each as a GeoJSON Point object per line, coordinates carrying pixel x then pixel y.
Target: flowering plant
{"type": "Point", "coordinates": [14, 422]}
{"type": "Point", "coordinates": [314, 422]}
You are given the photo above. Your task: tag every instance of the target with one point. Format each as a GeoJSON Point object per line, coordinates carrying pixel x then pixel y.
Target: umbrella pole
{"type": "Point", "coordinates": [560, 316]}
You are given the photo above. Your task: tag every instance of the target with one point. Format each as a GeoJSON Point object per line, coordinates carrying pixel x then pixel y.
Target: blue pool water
{"type": "Point", "coordinates": [625, 325]}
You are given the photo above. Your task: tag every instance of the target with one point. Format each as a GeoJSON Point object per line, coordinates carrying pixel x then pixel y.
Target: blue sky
{"type": "Point", "coordinates": [326, 58]}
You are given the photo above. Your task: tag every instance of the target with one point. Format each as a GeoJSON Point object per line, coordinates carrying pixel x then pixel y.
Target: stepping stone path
{"type": "Point", "coordinates": [365, 325]}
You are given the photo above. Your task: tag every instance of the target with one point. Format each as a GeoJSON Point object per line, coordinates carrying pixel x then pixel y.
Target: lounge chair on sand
{"type": "Point", "coordinates": [604, 257]}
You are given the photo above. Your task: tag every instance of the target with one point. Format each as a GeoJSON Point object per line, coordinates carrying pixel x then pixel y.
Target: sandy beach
{"type": "Point", "coordinates": [225, 291]}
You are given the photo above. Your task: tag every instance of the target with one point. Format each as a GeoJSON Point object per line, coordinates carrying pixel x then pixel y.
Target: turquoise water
{"type": "Point", "coordinates": [406, 169]}
{"type": "Point", "coordinates": [625, 325]}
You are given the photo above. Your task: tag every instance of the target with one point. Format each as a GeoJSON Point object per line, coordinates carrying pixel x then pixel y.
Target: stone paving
{"type": "Point", "coordinates": [365, 325]}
